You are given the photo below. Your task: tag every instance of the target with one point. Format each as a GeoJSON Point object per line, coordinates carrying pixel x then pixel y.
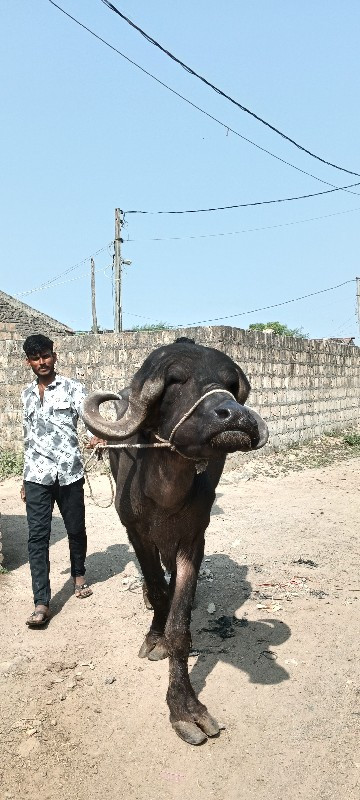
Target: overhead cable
{"type": "Point", "coordinates": [221, 93]}
{"type": "Point", "coordinates": [228, 128]}
{"type": "Point", "coordinates": [246, 205]}
{"type": "Point", "coordinates": [245, 230]}
{"type": "Point", "coordinates": [344, 325]}
{"type": "Point", "coordinates": [263, 308]}
{"type": "Point", "coordinates": [69, 280]}
{"type": "Point", "coordinates": [61, 274]}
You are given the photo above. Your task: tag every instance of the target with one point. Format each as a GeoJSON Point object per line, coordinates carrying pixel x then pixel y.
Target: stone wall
{"type": "Point", "coordinates": [301, 387]}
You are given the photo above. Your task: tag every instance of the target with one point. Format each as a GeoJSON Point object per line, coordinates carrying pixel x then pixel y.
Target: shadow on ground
{"type": "Point", "coordinates": [236, 640]}
{"type": "Point", "coordinates": [100, 566]}
{"type": "Point", "coordinates": [14, 536]}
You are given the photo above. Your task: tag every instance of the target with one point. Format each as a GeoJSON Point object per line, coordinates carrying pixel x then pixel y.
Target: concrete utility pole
{"type": "Point", "coordinates": [93, 305]}
{"type": "Point", "coordinates": [358, 299]}
{"type": "Point", "coordinates": [117, 271]}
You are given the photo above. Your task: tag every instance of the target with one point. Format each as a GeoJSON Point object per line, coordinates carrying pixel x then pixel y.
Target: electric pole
{"type": "Point", "coordinates": [93, 305]}
{"type": "Point", "coordinates": [117, 271]}
{"type": "Point", "coordinates": [358, 299]}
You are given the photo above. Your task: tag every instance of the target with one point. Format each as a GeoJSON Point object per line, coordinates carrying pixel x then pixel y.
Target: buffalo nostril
{"type": "Point", "coordinates": [223, 413]}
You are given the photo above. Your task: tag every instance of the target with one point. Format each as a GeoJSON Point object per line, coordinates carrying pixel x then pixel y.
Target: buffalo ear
{"type": "Point", "coordinates": [243, 391]}
{"type": "Point", "coordinates": [262, 428]}
{"type": "Point", "coordinates": [147, 392]}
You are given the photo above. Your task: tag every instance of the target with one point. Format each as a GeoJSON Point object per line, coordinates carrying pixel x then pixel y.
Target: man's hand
{"type": "Point", "coordinates": [22, 493]}
{"type": "Point", "coordinates": [94, 441]}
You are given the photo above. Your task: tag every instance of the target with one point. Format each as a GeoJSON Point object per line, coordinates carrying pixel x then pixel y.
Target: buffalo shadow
{"type": "Point", "coordinates": [239, 641]}
{"type": "Point", "coordinates": [243, 643]}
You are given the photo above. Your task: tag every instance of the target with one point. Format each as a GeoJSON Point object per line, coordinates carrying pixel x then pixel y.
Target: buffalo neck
{"type": "Point", "coordinates": [168, 477]}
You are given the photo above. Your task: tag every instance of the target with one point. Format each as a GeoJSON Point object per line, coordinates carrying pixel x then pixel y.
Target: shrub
{"type": "Point", "coordinates": [353, 439]}
{"type": "Point", "coordinates": [11, 463]}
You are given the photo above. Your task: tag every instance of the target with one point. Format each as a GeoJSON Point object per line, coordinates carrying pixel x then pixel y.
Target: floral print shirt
{"type": "Point", "coordinates": [50, 432]}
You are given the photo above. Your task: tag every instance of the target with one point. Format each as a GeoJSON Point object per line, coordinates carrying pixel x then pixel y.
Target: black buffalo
{"type": "Point", "coordinates": [191, 399]}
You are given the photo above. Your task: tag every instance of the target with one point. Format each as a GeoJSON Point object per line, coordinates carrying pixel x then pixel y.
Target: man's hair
{"type": "Point", "coordinates": [36, 344]}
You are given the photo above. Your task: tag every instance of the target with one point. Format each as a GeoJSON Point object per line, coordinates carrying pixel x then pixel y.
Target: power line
{"type": "Point", "coordinates": [245, 230]}
{"type": "Point", "coordinates": [344, 325]}
{"type": "Point", "coordinates": [140, 316]}
{"type": "Point", "coordinates": [246, 205]}
{"type": "Point", "coordinates": [61, 274]}
{"type": "Point", "coordinates": [264, 308]}
{"type": "Point", "coordinates": [221, 93]}
{"type": "Point", "coordinates": [228, 128]}
{"type": "Point", "coordinates": [69, 280]}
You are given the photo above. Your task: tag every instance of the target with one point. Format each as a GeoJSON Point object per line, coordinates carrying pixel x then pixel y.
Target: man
{"type": "Point", "coordinates": [53, 471]}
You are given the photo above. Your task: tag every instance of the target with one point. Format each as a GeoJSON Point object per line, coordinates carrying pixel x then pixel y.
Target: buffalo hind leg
{"type": "Point", "coordinates": [157, 595]}
{"type": "Point", "coordinates": [189, 718]}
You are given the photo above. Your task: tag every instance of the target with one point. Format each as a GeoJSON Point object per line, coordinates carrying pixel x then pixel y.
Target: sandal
{"type": "Point", "coordinates": [82, 590]}
{"type": "Point", "coordinates": [38, 618]}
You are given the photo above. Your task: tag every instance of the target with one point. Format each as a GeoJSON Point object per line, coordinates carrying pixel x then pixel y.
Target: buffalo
{"type": "Point", "coordinates": [185, 411]}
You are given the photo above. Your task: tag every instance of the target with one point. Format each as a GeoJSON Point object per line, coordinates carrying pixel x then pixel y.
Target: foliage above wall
{"type": "Point", "coordinates": [157, 326]}
{"type": "Point", "coordinates": [279, 329]}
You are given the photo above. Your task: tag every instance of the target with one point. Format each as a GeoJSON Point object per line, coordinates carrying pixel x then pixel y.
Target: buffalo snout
{"type": "Point", "coordinates": [233, 416]}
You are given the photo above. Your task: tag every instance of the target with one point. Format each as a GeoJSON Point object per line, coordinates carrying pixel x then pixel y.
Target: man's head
{"type": "Point", "coordinates": [40, 356]}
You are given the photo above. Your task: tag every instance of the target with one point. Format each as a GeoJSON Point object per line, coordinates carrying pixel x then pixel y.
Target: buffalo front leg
{"type": "Point", "coordinates": [189, 718]}
{"type": "Point", "coordinates": [157, 595]}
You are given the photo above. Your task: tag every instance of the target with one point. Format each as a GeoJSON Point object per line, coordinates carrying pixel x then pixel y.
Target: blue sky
{"type": "Point", "coordinates": [84, 131]}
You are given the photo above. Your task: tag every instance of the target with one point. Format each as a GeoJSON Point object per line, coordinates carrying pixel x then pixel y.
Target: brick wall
{"type": "Point", "coordinates": [301, 387]}
{"type": "Point", "coordinates": [9, 330]}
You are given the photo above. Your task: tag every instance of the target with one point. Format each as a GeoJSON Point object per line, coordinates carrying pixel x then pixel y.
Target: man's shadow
{"type": "Point", "coordinates": [100, 566]}
{"type": "Point", "coordinates": [14, 536]}
{"type": "Point", "coordinates": [236, 640]}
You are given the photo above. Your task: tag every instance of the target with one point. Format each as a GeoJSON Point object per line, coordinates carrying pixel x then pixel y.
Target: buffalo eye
{"type": "Point", "coordinates": [173, 380]}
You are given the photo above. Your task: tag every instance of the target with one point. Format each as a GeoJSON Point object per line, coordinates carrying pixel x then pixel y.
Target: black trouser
{"type": "Point", "coordinates": [39, 507]}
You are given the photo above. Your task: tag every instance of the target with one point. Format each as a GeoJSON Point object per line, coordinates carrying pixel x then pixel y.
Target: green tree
{"type": "Point", "coordinates": [279, 329]}
{"type": "Point", "coordinates": [156, 326]}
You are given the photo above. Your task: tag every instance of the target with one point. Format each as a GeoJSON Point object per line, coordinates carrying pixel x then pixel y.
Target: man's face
{"type": "Point", "coordinates": [43, 363]}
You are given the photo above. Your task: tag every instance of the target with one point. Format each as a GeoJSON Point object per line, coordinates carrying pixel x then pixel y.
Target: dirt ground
{"type": "Point", "coordinates": [276, 651]}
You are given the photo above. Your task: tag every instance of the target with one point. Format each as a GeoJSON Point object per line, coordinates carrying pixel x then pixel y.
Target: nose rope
{"type": "Point", "coordinates": [200, 464]}
{"type": "Point", "coordinates": [188, 413]}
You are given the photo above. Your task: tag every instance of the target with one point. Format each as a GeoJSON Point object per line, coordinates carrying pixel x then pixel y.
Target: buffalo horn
{"type": "Point", "coordinates": [132, 415]}
{"type": "Point", "coordinates": [134, 406]}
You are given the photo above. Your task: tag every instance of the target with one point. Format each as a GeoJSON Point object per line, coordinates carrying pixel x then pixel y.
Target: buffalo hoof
{"type": "Point", "coordinates": [160, 651]}
{"type": "Point", "coordinates": [196, 733]}
{"type": "Point", "coordinates": [153, 648]}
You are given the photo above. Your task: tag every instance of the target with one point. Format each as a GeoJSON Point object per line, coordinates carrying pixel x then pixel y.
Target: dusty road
{"type": "Point", "coordinates": [83, 718]}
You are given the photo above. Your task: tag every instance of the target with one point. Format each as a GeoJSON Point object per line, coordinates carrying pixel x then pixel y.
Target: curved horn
{"type": "Point", "coordinates": [104, 428]}
{"type": "Point", "coordinates": [262, 426]}
{"type": "Point", "coordinates": [133, 409]}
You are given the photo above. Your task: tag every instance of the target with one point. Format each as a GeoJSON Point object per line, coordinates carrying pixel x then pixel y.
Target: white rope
{"type": "Point", "coordinates": [108, 473]}
{"type": "Point", "coordinates": [200, 464]}
{"type": "Point", "coordinates": [188, 413]}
